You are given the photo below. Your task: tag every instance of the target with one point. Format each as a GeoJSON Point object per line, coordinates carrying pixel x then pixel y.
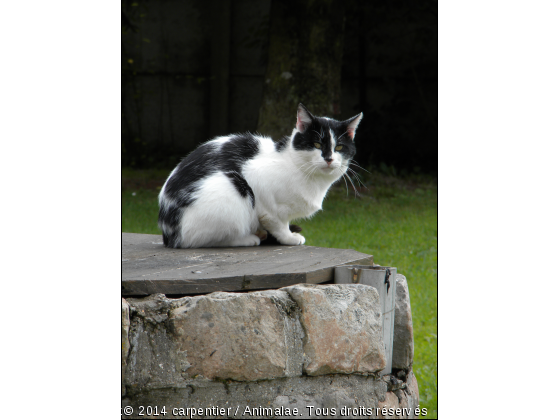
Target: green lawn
{"type": "Point", "coordinates": [395, 220]}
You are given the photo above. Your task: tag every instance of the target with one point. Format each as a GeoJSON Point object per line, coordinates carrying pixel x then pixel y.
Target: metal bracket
{"type": "Point", "coordinates": [355, 278]}
{"type": "Point", "coordinates": [387, 282]}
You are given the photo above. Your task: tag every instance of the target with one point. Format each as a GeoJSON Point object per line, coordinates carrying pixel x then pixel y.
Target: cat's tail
{"type": "Point", "coordinates": [170, 235]}
{"type": "Point", "coordinates": [171, 241]}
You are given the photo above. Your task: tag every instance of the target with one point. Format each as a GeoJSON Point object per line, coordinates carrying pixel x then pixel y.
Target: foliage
{"type": "Point", "coordinates": [395, 220]}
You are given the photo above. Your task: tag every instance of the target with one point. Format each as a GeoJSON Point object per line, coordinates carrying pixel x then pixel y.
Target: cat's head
{"type": "Point", "coordinates": [327, 145]}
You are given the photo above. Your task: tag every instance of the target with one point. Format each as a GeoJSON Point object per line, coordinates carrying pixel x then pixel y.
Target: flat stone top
{"type": "Point", "coordinates": [148, 267]}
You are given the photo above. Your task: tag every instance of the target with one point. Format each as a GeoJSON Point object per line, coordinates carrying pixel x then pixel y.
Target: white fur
{"type": "Point", "coordinates": [165, 202]}
{"type": "Point", "coordinates": [219, 216]}
{"type": "Point", "coordinates": [287, 185]}
{"type": "Point", "coordinates": [163, 199]}
{"type": "Point", "coordinates": [219, 140]}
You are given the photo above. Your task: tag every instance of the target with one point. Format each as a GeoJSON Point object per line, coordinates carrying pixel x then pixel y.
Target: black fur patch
{"type": "Point", "coordinates": [281, 144]}
{"type": "Point", "coordinates": [235, 152]}
{"type": "Point", "coordinates": [241, 186]}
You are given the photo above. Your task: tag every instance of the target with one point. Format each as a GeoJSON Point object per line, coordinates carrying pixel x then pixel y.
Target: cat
{"type": "Point", "coordinates": [232, 190]}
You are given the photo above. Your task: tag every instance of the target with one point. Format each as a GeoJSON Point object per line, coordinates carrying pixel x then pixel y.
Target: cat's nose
{"type": "Point", "coordinates": [328, 160]}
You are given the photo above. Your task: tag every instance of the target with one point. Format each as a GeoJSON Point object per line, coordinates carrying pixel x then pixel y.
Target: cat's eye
{"type": "Point", "coordinates": [338, 148]}
{"type": "Point", "coordinates": [318, 145]}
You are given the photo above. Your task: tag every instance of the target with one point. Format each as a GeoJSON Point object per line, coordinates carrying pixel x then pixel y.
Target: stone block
{"type": "Point", "coordinates": [386, 408]}
{"type": "Point", "coordinates": [154, 360]}
{"type": "Point", "coordinates": [329, 403]}
{"type": "Point", "coordinates": [239, 336]}
{"type": "Point", "coordinates": [343, 328]}
{"type": "Point", "coordinates": [293, 332]}
{"type": "Point", "coordinates": [342, 396]}
{"type": "Point", "coordinates": [125, 344]}
{"type": "Point", "coordinates": [403, 338]}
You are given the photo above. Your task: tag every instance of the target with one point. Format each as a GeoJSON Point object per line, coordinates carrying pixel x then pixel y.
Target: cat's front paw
{"type": "Point", "coordinates": [293, 239]}
{"type": "Point", "coordinates": [300, 237]}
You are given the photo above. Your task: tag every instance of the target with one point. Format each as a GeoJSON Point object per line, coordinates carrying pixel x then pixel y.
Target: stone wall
{"type": "Point", "coordinates": [269, 351]}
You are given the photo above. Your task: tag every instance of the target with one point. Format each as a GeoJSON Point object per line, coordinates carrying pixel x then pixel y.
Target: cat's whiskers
{"type": "Point", "coordinates": [356, 193]}
{"type": "Point", "coordinates": [360, 181]}
{"type": "Point", "coordinates": [307, 164]}
{"type": "Point", "coordinates": [308, 170]}
{"type": "Point", "coordinates": [302, 165]}
{"type": "Point", "coordinates": [353, 162]}
{"type": "Point", "coordinates": [357, 177]}
{"type": "Point", "coordinates": [311, 172]}
{"type": "Point", "coordinates": [344, 179]}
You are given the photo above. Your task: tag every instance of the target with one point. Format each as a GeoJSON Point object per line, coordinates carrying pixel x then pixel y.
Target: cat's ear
{"type": "Point", "coordinates": [353, 125]}
{"type": "Point", "coordinates": [303, 118]}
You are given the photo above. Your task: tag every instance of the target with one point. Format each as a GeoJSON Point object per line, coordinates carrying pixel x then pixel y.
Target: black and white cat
{"type": "Point", "coordinates": [231, 190]}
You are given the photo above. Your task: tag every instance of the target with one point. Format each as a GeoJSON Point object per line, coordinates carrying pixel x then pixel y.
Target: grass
{"type": "Point", "coordinates": [395, 220]}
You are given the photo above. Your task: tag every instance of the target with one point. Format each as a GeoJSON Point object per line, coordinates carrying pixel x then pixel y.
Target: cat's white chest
{"type": "Point", "coordinates": [305, 204]}
{"type": "Point", "coordinates": [282, 188]}
{"type": "Point", "coordinates": [313, 204]}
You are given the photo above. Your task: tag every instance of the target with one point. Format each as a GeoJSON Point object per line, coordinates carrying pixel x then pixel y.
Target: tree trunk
{"type": "Point", "coordinates": [304, 63]}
